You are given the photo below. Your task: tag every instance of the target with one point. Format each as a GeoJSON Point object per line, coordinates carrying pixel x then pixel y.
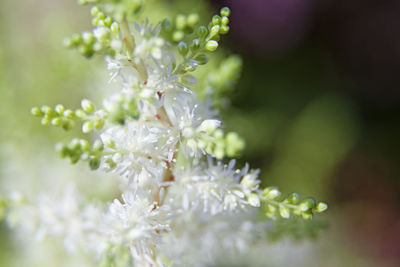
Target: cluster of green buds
{"type": "Point", "coordinates": [205, 40]}
{"type": "Point", "coordinates": [219, 145]}
{"type": "Point", "coordinates": [104, 39]}
{"type": "Point", "coordinates": [67, 118]}
{"type": "Point", "coordinates": [276, 206]}
{"type": "Point", "coordinates": [80, 149]}
{"type": "Point", "coordinates": [125, 107]}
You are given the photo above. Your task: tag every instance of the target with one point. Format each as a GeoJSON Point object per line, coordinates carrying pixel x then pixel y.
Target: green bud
{"type": "Point", "coordinates": [321, 207]}
{"type": "Point", "coordinates": [307, 204]}
{"type": "Point", "coordinates": [166, 25]}
{"type": "Point", "coordinates": [254, 200]}
{"type": "Point", "coordinates": [224, 20]}
{"type": "Point", "coordinates": [292, 198]}
{"type": "Point", "coordinates": [84, 145]}
{"type": "Point", "coordinates": [98, 145]}
{"type": "Point", "coordinates": [202, 31]}
{"type": "Point", "coordinates": [224, 29]}
{"type": "Point", "coordinates": [111, 164]}
{"type": "Point", "coordinates": [46, 120]}
{"type": "Point", "coordinates": [271, 211]}
{"type": "Point", "coordinates": [193, 19]}
{"type": "Point", "coordinates": [46, 110]}
{"type": "Point", "coordinates": [94, 163]}
{"type": "Point", "coordinates": [211, 45]}
{"type": "Point", "coordinates": [62, 150]}
{"type": "Point", "coordinates": [271, 193]}
{"type": "Point", "coordinates": [59, 109]}
{"type": "Point", "coordinates": [69, 114]}
{"type": "Point", "coordinates": [202, 59]}
{"type": "Point", "coordinates": [195, 44]}
{"type": "Point", "coordinates": [80, 113]}
{"type": "Point", "coordinates": [94, 11]}
{"type": "Point", "coordinates": [56, 121]}
{"type": "Point", "coordinates": [67, 125]}
{"type": "Point", "coordinates": [98, 124]}
{"type": "Point", "coordinates": [109, 143]}
{"type": "Point", "coordinates": [216, 20]}
{"type": "Point", "coordinates": [108, 21]}
{"type": "Point", "coordinates": [114, 28]}
{"type": "Point", "coordinates": [225, 11]}
{"type": "Point", "coordinates": [87, 106]}
{"type": "Point", "coordinates": [35, 111]}
{"type": "Point", "coordinates": [284, 211]}
{"type": "Point", "coordinates": [88, 37]}
{"type": "Point", "coordinates": [180, 21]}
{"type": "Point", "coordinates": [182, 48]}
{"type": "Point", "coordinates": [101, 15]}
{"type": "Point", "coordinates": [177, 36]}
{"type": "Point", "coordinates": [87, 127]}
{"type": "Point", "coordinates": [307, 215]}
{"type": "Point", "coordinates": [74, 144]}
{"type": "Point", "coordinates": [214, 32]}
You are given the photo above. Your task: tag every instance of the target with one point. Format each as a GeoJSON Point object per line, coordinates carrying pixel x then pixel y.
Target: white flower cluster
{"type": "Point", "coordinates": [176, 206]}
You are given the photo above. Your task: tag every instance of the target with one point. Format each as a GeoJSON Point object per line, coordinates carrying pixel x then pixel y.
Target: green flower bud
{"type": "Point", "coordinates": [94, 11]}
{"type": "Point", "coordinates": [114, 28]}
{"type": "Point", "coordinates": [214, 31]}
{"type": "Point", "coordinates": [62, 150]}
{"type": "Point", "coordinates": [88, 37]}
{"type": "Point", "coordinates": [94, 163]}
{"type": "Point", "coordinates": [254, 200]}
{"type": "Point", "coordinates": [56, 121]}
{"type": "Point", "coordinates": [177, 36]}
{"type": "Point", "coordinates": [98, 145]}
{"type": "Point", "coordinates": [59, 109]}
{"type": "Point", "coordinates": [271, 211]}
{"type": "Point", "coordinates": [87, 127]}
{"type": "Point", "coordinates": [321, 207]}
{"type": "Point", "coordinates": [307, 204]}
{"type": "Point", "coordinates": [224, 29]}
{"type": "Point", "coordinates": [216, 20]}
{"type": "Point", "coordinates": [111, 164]}
{"type": "Point", "coordinates": [67, 125]}
{"type": "Point", "coordinates": [211, 45]}
{"type": "Point", "coordinates": [183, 48]}
{"type": "Point", "coordinates": [87, 106]}
{"type": "Point", "coordinates": [84, 145]}
{"type": "Point", "coordinates": [225, 11]}
{"type": "Point", "coordinates": [46, 110]}
{"type": "Point", "coordinates": [46, 120]}
{"type": "Point", "coordinates": [292, 198]}
{"type": "Point", "coordinates": [224, 20]}
{"type": "Point", "coordinates": [202, 31]}
{"type": "Point", "coordinates": [80, 113]}
{"type": "Point", "coordinates": [98, 124]}
{"type": "Point", "coordinates": [202, 59]}
{"type": "Point", "coordinates": [193, 19]}
{"type": "Point", "coordinates": [284, 211]}
{"type": "Point", "coordinates": [307, 215]}
{"type": "Point", "coordinates": [195, 44]}
{"type": "Point", "coordinates": [180, 21]}
{"type": "Point", "coordinates": [271, 193]}
{"type": "Point", "coordinates": [108, 21]}
{"type": "Point", "coordinates": [35, 111]}
{"type": "Point", "coordinates": [69, 114]}
{"type": "Point", "coordinates": [101, 15]}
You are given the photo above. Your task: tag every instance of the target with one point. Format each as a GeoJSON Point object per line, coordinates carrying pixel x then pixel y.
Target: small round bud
{"type": "Point", "coordinates": [56, 121]}
{"type": "Point", "coordinates": [177, 36]}
{"type": "Point", "coordinates": [254, 200]}
{"type": "Point", "coordinates": [94, 11]}
{"type": "Point", "coordinates": [271, 193]}
{"type": "Point", "coordinates": [183, 48]}
{"type": "Point", "coordinates": [67, 125]}
{"type": "Point", "coordinates": [321, 207]}
{"type": "Point", "coordinates": [224, 20]}
{"type": "Point", "coordinates": [87, 127]}
{"type": "Point", "coordinates": [224, 29]}
{"type": "Point", "coordinates": [46, 110]}
{"type": "Point", "coordinates": [195, 44]}
{"type": "Point", "coordinates": [84, 145]}
{"type": "Point", "coordinates": [101, 15]}
{"type": "Point", "coordinates": [114, 28]}
{"type": "Point", "coordinates": [88, 37]}
{"type": "Point", "coordinates": [225, 11]}
{"type": "Point", "coordinates": [87, 106]}
{"type": "Point", "coordinates": [98, 145]}
{"type": "Point", "coordinates": [108, 21]}
{"type": "Point", "coordinates": [69, 114]}
{"type": "Point", "coordinates": [216, 20]}
{"type": "Point", "coordinates": [284, 211]}
{"type": "Point", "coordinates": [59, 109]}
{"type": "Point", "coordinates": [307, 204]}
{"type": "Point", "coordinates": [180, 21]}
{"type": "Point", "coordinates": [202, 31]}
{"type": "Point", "coordinates": [98, 124]}
{"type": "Point", "coordinates": [193, 19]}
{"type": "Point", "coordinates": [80, 113]}
{"type": "Point", "coordinates": [211, 45]}
{"type": "Point", "coordinates": [202, 59]}
{"type": "Point", "coordinates": [292, 198]}
{"type": "Point", "coordinates": [45, 121]}
{"type": "Point", "coordinates": [214, 31]}
{"type": "Point", "coordinates": [94, 163]}
{"type": "Point", "coordinates": [35, 111]}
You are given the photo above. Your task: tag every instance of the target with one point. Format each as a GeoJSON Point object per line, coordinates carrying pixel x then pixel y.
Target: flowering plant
{"type": "Point", "coordinates": [180, 204]}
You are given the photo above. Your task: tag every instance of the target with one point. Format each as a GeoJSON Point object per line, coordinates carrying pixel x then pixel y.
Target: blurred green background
{"type": "Point", "coordinates": [318, 105]}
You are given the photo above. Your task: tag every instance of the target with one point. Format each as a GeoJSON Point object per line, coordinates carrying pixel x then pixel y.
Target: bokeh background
{"type": "Point", "coordinates": [318, 104]}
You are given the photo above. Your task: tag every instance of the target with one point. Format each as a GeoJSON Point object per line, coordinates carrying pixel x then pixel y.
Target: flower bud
{"type": "Point", "coordinates": [211, 45]}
